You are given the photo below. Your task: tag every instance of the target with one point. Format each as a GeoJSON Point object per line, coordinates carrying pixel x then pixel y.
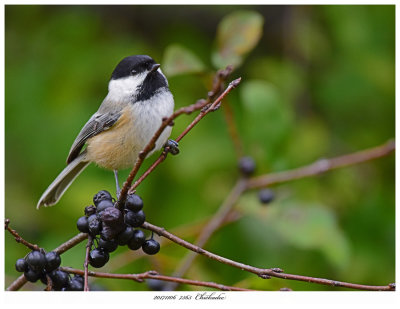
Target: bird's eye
{"type": "Point", "coordinates": [133, 72]}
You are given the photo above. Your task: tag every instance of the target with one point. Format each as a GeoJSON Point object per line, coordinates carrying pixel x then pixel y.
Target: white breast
{"type": "Point", "coordinates": [119, 147]}
{"type": "Point", "coordinates": [148, 117]}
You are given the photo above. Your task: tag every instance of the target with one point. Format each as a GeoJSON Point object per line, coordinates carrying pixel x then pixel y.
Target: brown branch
{"type": "Point", "coordinates": [242, 185]}
{"type": "Point", "coordinates": [71, 243]}
{"type": "Point", "coordinates": [217, 88]}
{"type": "Point", "coordinates": [264, 273]}
{"type": "Point", "coordinates": [20, 281]}
{"type": "Point", "coordinates": [155, 275]}
{"type": "Point", "coordinates": [18, 238]}
{"type": "Point", "coordinates": [86, 264]}
{"type": "Point", "coordinates": [322, 166]}
{"type": "Point", "coordinates": [205, 109]}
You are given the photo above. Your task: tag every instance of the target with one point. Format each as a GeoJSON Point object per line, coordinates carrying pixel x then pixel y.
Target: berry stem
{"type": "Point", "coordinates": [86, 264]}
{"type": "Point", "coordinates": [18, 238]}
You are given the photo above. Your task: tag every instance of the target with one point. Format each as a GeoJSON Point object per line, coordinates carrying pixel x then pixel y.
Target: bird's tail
{"type": "Point", "coordinates": [57, 188]}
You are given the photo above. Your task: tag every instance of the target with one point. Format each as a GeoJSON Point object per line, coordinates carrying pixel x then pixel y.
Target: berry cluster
{"type": "Point", "coordinates": [111, 227]}
{"type": "Point", "coordinates": [40, 265]}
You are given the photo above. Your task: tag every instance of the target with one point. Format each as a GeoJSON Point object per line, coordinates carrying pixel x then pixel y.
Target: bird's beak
{"type": "Point", "coordinates": [154, 67]}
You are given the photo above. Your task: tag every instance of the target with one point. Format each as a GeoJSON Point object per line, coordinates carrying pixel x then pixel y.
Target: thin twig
{"type": "Point", "coordinates": [205, 109]}
{"type": "Point", "coordinates": [322, 166]}
{"type": "Point", "coordinates": [86, 263]}
{"type": "Point", "coordinates": [18, 238]}
{"type": "Point", "coordinates": [155, 275]}
{"type": "Point", "coordinates": [71, 243]}
{"type": "Point", "coordinates": [217, 88]}
{"type": "Point", "coordinates": [49, 285]}
{"type": "Point", "coordinates": [264, 273]}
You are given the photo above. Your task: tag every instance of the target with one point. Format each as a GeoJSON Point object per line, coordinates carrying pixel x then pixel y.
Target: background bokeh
{"type": "Point", "coordinates": [317, 81]}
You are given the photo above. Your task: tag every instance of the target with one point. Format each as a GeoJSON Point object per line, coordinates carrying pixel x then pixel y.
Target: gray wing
{"type": "Point", "coordinates": [97, 124]}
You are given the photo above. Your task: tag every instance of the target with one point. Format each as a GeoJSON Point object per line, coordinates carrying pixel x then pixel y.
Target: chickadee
{"type": "Point", "coordinates": [138, 99]}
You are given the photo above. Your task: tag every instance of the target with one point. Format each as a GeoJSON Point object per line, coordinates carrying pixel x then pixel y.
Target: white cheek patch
{"type": "Point", "coordinates": [127, 85]}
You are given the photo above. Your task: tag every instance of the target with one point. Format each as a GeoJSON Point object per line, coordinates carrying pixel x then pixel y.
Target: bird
{"type": "Point", "coordinates": [138, 100]}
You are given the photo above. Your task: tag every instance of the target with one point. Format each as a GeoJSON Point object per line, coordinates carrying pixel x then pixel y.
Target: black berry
{"type": "Point", "coordinates": [108, 232]}
{"type": "Point", "coordinates": [266, 196]}
{"type": "Point", "coordinates": [94, 225]}
{"type": "Point", "coordinates": [90, 210]}
{"type": "Point", "coordinates": [104, 204]}
{"type": "Point", "coordinates": [101, 196]}
{"type": "Point", "coordinates": [151, 246]}
{"type": "Point", "coordinates": [21, 265]}
{"type": "Point", "coordinates": [111, 216]}
{"type": "Point", "coordinates": [137, 240]}
{"type": "Point", "coordinates": [43, 278]}
{"type": "Point", "coordinates": [59, 279]}
{"type": "Point", "coordinates": [98, 257]}
{"type": "Point", "coordinates": [53, 260]}
{"type": "Point", "coordinates": [247, 166]}
{"type": "Point", "coordinates": [125, 236]}
{"type": "Point", "coordinates": [36, 260]}
{"type": "Point", "coordinates": [32, 275]}
{"type": "Point", "coordinates": [134, 202]}
{"type": "Point", "coordinates": [75, 285]}
{"type": "Point", "coordinates": [79, 278]}
{"type": "Point", "coordinates": [108, 245]}
{"type": "Point", "coordinates": [82, 224]}
{"type": "Point", "coordinates": [135, 219]}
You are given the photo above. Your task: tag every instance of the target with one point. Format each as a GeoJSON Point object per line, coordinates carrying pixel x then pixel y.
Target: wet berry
{"type": "Point", "coordinates": [59, 279]}
{"type": "Point", "coordinates": [137, 240]}
{"type": "Point", "coordinates": [94, 225]}
{"type": "Point", "coordinates": [108, 245]}
{"type": "Point", "coordinates": [103, 205]}
{"type": "Point", "coordinates": [32, 275]}
{"type": "Point", "coordinates": [247, 166]}
{"type": "Point", "coordinates": [125, 236]}
{"type": "Point", "coordinates": [21, 265]}
{"type": "Point", "coordinates": [111, 216]}
{"type": "Point", "coordinates": [135, 219]}
{"type": "Point", "coordinates": [82, 224]}
{"type": "Point", "coordinates": [53, 260]}
{"type": "Point", "coordinates": [98, 257]}
{"type": "Point", "coordinates": [266, 196]}
{"type": "Point", "coordinates": [101, 196]}
{"type": "Point", "coordinates": [75, 285]}
{"type": "Point", "coordinates": [134, 202]}
{"type": "Point", "coordinates": [151, 246]}
{"type": "Point", "coordinates": [36, 260]}
{"type": "Point", "coordinates": [79, 278]}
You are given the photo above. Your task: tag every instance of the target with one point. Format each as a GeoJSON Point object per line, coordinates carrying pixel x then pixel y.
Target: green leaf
{"type": "Point", "coordinates": [311, 227]}
{"type": "Point", "coordinates": [237, 34]}
{"type": "Point", "coordinates": [180, 60]}
{"type": "Point", "coordinates": [267, 117]}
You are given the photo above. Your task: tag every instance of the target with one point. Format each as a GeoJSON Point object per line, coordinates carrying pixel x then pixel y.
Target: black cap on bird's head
{"type": "Point", "coordinates": [139, 74]}
{"type": "Point", "coordinates": [133, 65]}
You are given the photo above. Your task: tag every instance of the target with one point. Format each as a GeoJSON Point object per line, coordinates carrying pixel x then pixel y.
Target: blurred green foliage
{"type": "Point", "coordinates": [317, 81]}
